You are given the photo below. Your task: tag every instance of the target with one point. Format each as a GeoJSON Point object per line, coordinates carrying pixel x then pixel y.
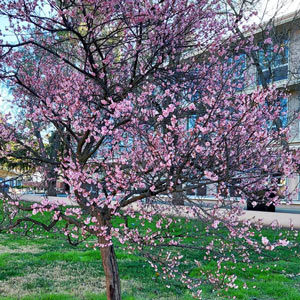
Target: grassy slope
{"type": "Point", "coordinates": [47, 267]}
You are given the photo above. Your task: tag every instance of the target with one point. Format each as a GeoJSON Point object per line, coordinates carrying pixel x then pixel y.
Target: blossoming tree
{"type": "Point", "coordinates": [118, 81]}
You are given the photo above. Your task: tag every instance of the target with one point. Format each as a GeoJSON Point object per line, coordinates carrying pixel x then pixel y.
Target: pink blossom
{"type": "Point", "coordinates": [265, 241]}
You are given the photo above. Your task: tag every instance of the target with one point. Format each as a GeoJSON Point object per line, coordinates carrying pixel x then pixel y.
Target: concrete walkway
{"type": "Point", "coordinates": [285, 219]}
{"type": "Point", "coordinates": [266, 218]}
{"type": "Point", "coordinates": [285, 215]}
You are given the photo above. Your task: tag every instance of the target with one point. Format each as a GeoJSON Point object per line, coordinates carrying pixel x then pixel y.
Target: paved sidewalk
{"type": "Point", "coordinates": [39, 198]}
{"type": "Point", "coordinates": [266, 218]}
{"type": "Point", "coordinates": [285, 216]}
{"type": "Point", "coordinates": [284, 219]}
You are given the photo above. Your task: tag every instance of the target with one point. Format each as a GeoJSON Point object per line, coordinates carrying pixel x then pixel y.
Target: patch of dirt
{"type": "Point", "coordinates": [55, 279]}
{"type": "Point", "coordinates": [61, 277]}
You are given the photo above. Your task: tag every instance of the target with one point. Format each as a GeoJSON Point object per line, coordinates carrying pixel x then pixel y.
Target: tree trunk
{"type": "Point", "coordinates": [113, 285]}
{"type": "Point", "coordinates": [109, 260]}
{"type": "Point", "coordinates": [51, 188]}
{"type": "Point", "coordinates": [177, 198]}
{"type": "Point", "coordinates": [51, 183]}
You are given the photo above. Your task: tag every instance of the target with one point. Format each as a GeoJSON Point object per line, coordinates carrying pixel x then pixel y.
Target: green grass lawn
{"type": "Point", "coordinates": [44, 266]}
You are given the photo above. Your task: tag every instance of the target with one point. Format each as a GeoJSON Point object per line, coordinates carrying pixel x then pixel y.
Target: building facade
{"type": "Point", "coordinates": [279, 65]}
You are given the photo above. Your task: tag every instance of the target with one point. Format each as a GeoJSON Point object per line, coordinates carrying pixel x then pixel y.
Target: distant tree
{"type": "Point", "coordinates": [30, 159]}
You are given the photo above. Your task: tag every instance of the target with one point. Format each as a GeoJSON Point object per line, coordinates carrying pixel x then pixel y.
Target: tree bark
{"type": "Point", "coordinates": [177, 198]}
{"type": "Point", "coordinates": [110, 266]}
{"type": "Point", "coordinates": [51, 188]}
{"type": "Point", "coordinates": [51, 182]}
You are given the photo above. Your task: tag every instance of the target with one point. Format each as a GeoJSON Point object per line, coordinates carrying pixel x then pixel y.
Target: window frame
{"type": "Point", "coordinates": [272, 65]}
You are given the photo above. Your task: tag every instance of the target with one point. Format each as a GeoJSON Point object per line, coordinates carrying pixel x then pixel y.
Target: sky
{"type": "Point", "coordinates": [4, 106]}
{"type": "Point", "coordinates": [266, 9]}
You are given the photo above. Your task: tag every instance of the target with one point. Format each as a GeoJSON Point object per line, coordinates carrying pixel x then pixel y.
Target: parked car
{"type": "Point", "coordinates": [264, 196]}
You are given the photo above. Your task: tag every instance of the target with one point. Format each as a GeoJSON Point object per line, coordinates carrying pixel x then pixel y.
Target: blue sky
{"type": "Point", "coordinates": [4, 106]}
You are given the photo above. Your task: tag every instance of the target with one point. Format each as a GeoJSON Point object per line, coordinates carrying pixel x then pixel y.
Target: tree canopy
{"type": "Point", "coordinates": [117, 81]}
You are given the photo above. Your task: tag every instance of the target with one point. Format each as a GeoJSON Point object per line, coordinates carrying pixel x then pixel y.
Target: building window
{"type": "Point", "coordinates": [282, 120]}
{"type": "Point", "coordinates": [236, 71]}
{"type": "Point", "coordinates": [200, 191]}
{"type": "Point", "coordinates": [238, 66]}
{"type": "Point", "coordinates": [191, 122]}
{"type": "Point", "coordinates": [273, 60]}
{"type": "Point", "coordinates": [283, 112]}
